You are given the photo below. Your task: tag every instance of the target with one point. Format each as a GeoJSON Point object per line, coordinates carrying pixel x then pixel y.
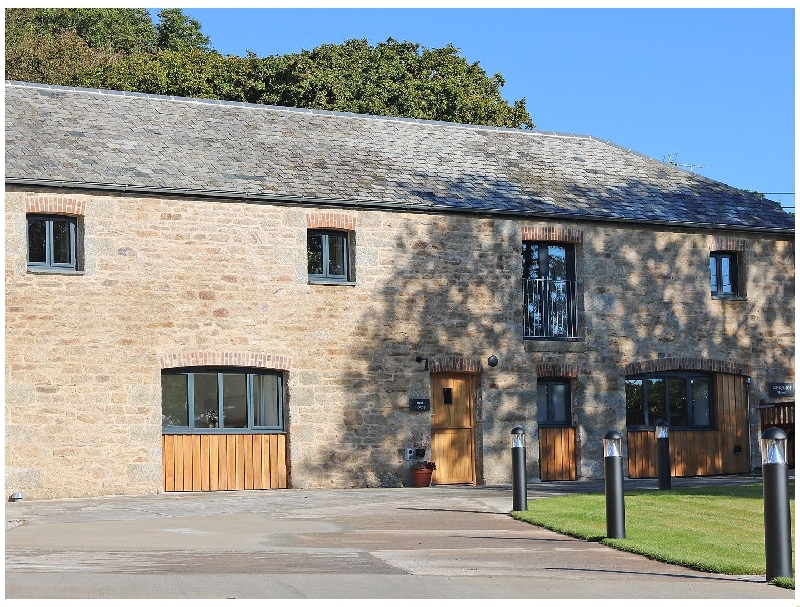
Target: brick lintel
{"type": "Point", "coordinates": [210, 358]}
{"type": "Point", "coordinates": [689, 363]}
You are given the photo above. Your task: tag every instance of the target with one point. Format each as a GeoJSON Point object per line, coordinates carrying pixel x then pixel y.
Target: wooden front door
{"type": "Point", "coordinates": [452, 431]}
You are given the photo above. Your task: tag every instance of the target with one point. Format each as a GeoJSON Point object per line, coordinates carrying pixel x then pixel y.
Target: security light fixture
{"type": "Point", "coordinates": [493, 361]}
{"type": "Point", "coordinates": [420, 359]}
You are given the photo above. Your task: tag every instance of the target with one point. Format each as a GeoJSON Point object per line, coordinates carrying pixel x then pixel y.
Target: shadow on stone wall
{"type": "Point", "coordinates": [451, 286]}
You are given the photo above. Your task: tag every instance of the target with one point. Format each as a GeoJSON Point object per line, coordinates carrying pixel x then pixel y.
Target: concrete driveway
{"type": "Point", "coordinates": [437, 542]}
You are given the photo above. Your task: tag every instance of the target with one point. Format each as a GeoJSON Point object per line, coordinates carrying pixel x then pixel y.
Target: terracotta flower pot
{"type": "Point", "coordinates": [422, 477]}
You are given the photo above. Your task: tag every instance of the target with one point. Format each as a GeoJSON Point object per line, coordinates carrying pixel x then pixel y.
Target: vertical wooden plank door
{"type": "Point", "coordinates": [452, 428]}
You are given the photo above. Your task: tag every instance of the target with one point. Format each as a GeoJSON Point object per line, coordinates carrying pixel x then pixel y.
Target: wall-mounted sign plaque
{"type": "Point", "coordinates": [781, 389]}
{"type": "Point", "coordinates": [419, 404]}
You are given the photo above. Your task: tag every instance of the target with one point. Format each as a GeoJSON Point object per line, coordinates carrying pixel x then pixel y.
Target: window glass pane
{"type": "Point", "coordinates": [234, 400]}
{"type": "Point", "coordinates": [542, 402]}
{"type": "Point", "coordinates": [712, 264]}
{"type": "Point", "coordinates": [656, 400]}
{"type": "Point", "coordinates": [37, 251]}
{"type": "Point", "coordinates": [337, 251]}
{"type": "Point", "coordinates": [174, 400]}
{"type": "Point", "coordinates": [556, 262]}
{"type": "Point", "coordinates": [266, 409]}
{"type": "Point", "coordinates": [530, 260]}
{"type": "Point", "coordinates": [701, 402]}
{"type": "Point", "coordinates": [678, 410]}
{"type": "Point", "coordinates": [314, 253]}
{"type": "Point", "coordinates": [62, 246]}
{"type": "Point", "coordinates": [206, 401]}
{"type": "Point", "coordinates": [634, 402]}
{"type": "Point", "coordinates": [726, 281]}
{"type": "Point", "coordinates": [559, 402]}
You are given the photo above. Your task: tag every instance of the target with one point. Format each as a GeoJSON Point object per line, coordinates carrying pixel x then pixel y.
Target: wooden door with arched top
{"type": "Point", "coordinates": [452, 428]}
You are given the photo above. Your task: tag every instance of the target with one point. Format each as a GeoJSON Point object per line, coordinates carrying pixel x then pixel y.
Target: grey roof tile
{"type": "Point", "coordinates": [151, 142]}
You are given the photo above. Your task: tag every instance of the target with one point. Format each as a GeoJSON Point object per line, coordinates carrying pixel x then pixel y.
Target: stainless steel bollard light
{"type": "Point", "coordinates": [777, 520]}
{"type": "Point", "coordinates": [518, 474]}
{"type": "Point", "coordinates": [615, 497]}
{"type": "Point", "coordinates": [662, 455]}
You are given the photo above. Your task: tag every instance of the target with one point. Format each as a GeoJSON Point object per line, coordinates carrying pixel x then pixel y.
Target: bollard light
{"type": "Point", "coordinates": [662, 455]}
{"type": "Point", "coordinates": [615, 496]}
{"type": "Point", "coordinates": [777, 520]}
{"type": "Point", "coordinates": [773, 446]}
{"type": "Point", "coordinates": [519, 477]}
{"type": "Point", "coordinates": [612, 444]}
{"type": "Point", "coordinates": [518, 437]}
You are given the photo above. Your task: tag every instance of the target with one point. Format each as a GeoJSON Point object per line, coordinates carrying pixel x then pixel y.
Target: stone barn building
{"type": "Point", "coordinates": [208, 295]}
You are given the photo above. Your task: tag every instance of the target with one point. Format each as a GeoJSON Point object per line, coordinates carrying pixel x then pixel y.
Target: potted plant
{"type": "Point", "coordinates": [211, 418]}
{"type": "Point", "coordinates": [421, 473]}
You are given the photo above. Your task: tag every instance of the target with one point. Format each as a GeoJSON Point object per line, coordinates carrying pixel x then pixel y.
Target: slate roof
{"type": "Point", "coordinates": [77, 137]}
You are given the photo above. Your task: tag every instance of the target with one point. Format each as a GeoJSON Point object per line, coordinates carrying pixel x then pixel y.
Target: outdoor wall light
{"type": "Point", "coordinates": [420, 359]}
{"type": "Point", "coordinates": [662, 429]}
{"type": "Point", "coordinates": [493, 361]}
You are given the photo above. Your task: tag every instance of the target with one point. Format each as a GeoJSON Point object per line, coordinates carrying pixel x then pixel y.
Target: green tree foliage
{"type": "Point", "coordinates": [122, 49]}
{"type": "Point", "coordinates": [177, 32]}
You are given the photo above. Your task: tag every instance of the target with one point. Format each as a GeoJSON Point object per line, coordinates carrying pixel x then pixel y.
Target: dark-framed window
{"type": "Point", "coordinates": [53, 243]}
{"type": "Point", "coordinates": [221, 399]}
{"type": "Point", "coordinates": [724, 271]}
{"type": "Point", "coordinates": [553, 402]}
{"type": "Point", "coordinates": [684, 400]}
{"type": "Point", "coordinates": [329, 255]}
{"type": "Point", "coordinates": [549, 290]}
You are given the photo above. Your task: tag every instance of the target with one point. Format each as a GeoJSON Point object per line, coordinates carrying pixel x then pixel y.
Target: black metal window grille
{"type": "Point", "coordinates": [549, 291]}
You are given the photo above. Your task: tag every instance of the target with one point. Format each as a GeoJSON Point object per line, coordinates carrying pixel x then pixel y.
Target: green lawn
{"type": "Point", "coordinates": [715, 529]}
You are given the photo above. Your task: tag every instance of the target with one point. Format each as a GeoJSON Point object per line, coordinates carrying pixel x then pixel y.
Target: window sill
{"type": "Point", "coordinates": [36, 270]}
{"type": "Point", "coordinates": [329, 281]}
{"type": "Point", "coordinates": [561, 339]}
{"type": "Point", "coordinates": [729, 298]}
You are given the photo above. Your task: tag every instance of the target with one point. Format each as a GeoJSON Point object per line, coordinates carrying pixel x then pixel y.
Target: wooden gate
{"type": "Point", "coordinates": [216, 462]}
{"type": "Point", "coordinates": [452, 433]}
{"type": "Point", "coordinates": [557, 454]}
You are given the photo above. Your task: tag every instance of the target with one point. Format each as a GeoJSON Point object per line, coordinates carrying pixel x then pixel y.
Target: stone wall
{"type": "Point", "coordinates": [167, 279]}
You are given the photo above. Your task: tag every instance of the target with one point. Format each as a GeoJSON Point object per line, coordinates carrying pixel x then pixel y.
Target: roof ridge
{"type": "Point", "coordinates": [245, 104]}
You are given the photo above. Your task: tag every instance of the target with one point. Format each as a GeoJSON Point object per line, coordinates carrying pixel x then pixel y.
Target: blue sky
{"type": "Point", "coordinates": [715, 87]}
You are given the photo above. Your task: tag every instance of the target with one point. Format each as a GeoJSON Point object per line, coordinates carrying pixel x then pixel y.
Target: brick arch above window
{"type": "Point", "coordinates": [330, 220]}
{"type": "Point", "coordinates": [557, 370]}
{"type": "Point", "coordinates": [215, 358]}
{"type": "Point", "coordinates": [455, 364]}
{"type": "Point", "coordinates": [688, 363]}
{"type": "Point", "coordinates": [56, 204]}
{"type": "Point", "coordinates": [722, 243]}
{"type": "Point", "coordinates": [552, 234]}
